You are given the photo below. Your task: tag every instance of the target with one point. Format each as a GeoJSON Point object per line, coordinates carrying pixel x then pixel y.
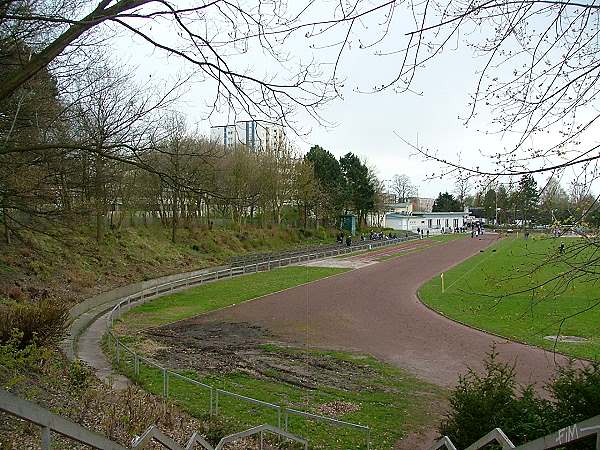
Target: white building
{"type": "Point", "coordinates": [254, 134]}
{"type": "Point", "coordinates": [434, 222]}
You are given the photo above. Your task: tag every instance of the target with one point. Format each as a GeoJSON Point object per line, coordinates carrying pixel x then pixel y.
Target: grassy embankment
{"type": "Point", "coordinates": [388, 399]}
{"type": "Point", "coordinates": [482, 292]}
{"type": "Point", "coordinates": [72, 265]}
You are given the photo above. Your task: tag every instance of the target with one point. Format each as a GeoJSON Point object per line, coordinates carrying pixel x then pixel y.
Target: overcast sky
{"type": "Point", "coordinates": [369, 125]}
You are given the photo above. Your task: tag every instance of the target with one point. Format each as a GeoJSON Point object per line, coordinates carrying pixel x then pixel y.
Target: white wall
{"type": "Point", "coordinates": [411, 223]}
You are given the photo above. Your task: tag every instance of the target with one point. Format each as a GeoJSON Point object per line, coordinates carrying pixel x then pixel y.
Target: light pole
{"type": "Point", "coordinates": [496, 209]}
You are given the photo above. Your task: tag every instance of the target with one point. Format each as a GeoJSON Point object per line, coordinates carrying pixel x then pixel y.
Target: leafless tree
{"type": "Point", "coordinates": [539, 78]}
{"type": "Point", "coordinates": [403, 187]}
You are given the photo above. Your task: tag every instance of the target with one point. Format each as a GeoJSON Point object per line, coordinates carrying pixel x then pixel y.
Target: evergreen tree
{"type": "Point", "coordinates": [527, 197]}
{"type": "Point", "coordinates": [446, 203]}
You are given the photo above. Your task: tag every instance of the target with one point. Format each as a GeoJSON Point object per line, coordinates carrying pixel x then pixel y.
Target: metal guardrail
{"type": "Point", "coordinates": [148, 294]}
{"type": "Point", "coordinates": [253, 258]}
{"type": "Point", "coordinates": [567, 435]}
{"type": "Point", "coordinates": [50, 422]}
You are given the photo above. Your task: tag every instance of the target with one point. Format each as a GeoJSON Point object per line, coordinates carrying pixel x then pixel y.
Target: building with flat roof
{"type": "Point", "coordinates": [434, 222]}
{"type": "Point", "coordinates": [253, 134]}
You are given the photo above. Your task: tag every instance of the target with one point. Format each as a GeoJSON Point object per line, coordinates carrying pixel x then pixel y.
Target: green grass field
{"type": "Point", "coordinates": [227, 292]}
{"type": "Point", "coordinates": [493, 291]}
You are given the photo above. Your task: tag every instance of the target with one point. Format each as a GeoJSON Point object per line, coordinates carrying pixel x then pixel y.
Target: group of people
{"type": "Point", "coordinates": [380, 236]}
{"type": "Point", "coordinates": [476, 230]}
{"type": "Point", "coordinates": [341, 238]}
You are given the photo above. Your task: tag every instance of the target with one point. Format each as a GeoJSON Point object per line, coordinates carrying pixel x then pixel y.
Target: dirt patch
{"type": "Point", "coordinates": [337, 408]}
{"type": "Point", "coordinates": [228, 347]}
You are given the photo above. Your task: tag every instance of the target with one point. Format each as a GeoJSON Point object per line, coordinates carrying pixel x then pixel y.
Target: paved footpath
{"type": "Point", "coordinates": [375, 310]}
{"type": "Point", "coordinates": [89, 325]}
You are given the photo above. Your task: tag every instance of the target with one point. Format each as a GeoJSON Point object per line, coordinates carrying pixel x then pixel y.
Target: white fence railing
{"type": "Point", "coordinates": [282, 413]}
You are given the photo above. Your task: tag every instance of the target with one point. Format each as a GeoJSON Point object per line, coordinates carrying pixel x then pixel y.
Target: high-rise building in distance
{"type": "Point", "coordinates": [254, 134]}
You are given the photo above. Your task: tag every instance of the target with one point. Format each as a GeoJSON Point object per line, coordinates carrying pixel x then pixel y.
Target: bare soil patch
{"type": "Point", "coordinates": [228, 347]}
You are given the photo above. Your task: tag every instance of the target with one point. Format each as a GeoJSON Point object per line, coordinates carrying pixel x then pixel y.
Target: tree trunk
{"type": "Point", "coordinates": [99, 199]}
{"type": "Point", "coordinates": [175, 218]}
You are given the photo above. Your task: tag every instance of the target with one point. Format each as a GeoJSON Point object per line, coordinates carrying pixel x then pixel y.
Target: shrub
{"type": "Point", "coordinates": [43, 322]}
{"type": "Point", "coordinates": [481, 403]}
{"type": "Point", "coordinates": [577, 397]}
{"type": "Point", "coordinates": [15, 356]}
{"type": "Point", "coordinates": [79, 373]}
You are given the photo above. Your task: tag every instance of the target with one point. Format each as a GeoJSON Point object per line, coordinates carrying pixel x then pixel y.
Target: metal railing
{"type": "Point", "coordinates": [253, 258]}
{"type": "Point", "coordinates": [53, 423]}
{"type": "Point", "coordinates": [567, 435]}
{"type": "Point", "coordinates": [283, 413]}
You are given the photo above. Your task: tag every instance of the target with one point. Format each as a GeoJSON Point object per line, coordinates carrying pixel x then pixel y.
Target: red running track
{"type": "Point", "coordinates": [375, 310]}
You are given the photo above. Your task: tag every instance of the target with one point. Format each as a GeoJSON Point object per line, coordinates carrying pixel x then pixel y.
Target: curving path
{"type": "Point", "coordinates": [375, 310]}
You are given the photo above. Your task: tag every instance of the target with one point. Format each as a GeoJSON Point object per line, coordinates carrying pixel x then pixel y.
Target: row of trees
{"type": "Point", "coordinates": [526, 202]}
{"type": "Point", "coordinates": [105, 151]}
{"type": "Point", "coordinates": [548, 204]}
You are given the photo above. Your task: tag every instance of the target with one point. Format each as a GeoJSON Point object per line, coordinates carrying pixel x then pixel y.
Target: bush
{"type": "Point", "coordinates": [15, 356]}
{"type": "Point", "coordinates": [577, 393]}
{"type": "Point", "coordinates": [79, 373]}
{"type": "Point", "coordinates": [44, 322]}
{"type": "Point", "coordinates": [481, 403]}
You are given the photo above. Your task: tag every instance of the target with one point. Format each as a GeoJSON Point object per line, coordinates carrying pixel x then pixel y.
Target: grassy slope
{"type": "Point", "coordinates": [391, 401]}
{"type": "Point", "coordinates": [472, 290]}
{"type": "Point", "coordinates": [73, 266]}
{"type": "Point", "coordinates": [43, 375]}
{"type": "Point", "coordinates": [217, 295]}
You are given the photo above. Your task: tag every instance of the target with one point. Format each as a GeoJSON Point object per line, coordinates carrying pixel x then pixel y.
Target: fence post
{"type": "Point", "coordinates": [211, 402]}
{"type": "Point", "coordinates": [368, 438]}
{"type": "Point", "coordinates": [285, 415]}
{"type": "Point", "coordinates": [279, 417]}
{"type": "Point", "coordinates": [216, 402]}
{"type": "Point", "coordinates": [117, 350]}
{"type": "Point", "coordinates": [261, 440]}
{"type": "Point", "coordinates": [164, 371]}
{"type": "Point", "coordinates": [136, 364]}
{"type": "Point", "coordinates": [46, 438]}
